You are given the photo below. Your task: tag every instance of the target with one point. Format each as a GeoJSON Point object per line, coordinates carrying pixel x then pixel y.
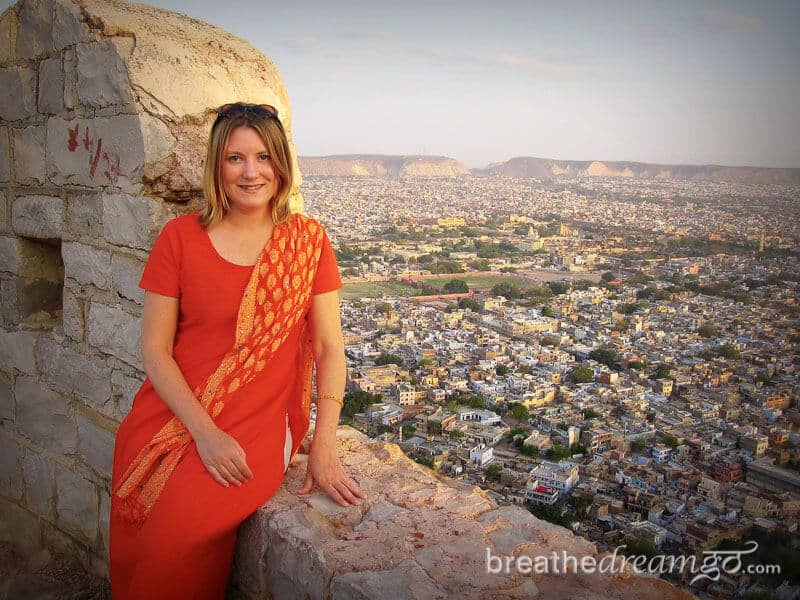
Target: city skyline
{"type": "Point", "coordinates": [688, 84]}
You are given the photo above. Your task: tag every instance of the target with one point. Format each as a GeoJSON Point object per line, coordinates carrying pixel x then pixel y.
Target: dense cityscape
{"type": "Point", "coordinates": [619, 356]}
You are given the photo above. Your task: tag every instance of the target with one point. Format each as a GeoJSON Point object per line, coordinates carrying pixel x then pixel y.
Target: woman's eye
{"type": "Point", "coordinates": [263, 156]}
{"type": "Point", "coordinates": [234, 158]}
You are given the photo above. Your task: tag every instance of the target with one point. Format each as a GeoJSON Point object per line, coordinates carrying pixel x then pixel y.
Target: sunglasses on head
{"type": "Point", "coordinates": [234, 109]}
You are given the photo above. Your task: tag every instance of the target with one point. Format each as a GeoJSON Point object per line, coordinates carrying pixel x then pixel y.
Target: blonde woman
{"type": "Point", "coordinates": [241, 300]}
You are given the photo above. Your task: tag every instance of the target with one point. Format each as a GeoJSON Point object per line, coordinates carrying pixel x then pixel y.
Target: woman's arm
{"type": "Point", "coordinates": [324, 467]}
{"type": "Point", "coordinates": [222, 456]}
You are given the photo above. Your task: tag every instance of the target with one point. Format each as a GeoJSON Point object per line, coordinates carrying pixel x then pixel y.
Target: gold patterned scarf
{"type": "Point", "coordinates": [276, 298]}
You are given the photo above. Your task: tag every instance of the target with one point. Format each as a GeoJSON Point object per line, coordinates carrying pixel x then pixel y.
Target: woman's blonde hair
{"type": "Point", "coordinates": [274, 138]}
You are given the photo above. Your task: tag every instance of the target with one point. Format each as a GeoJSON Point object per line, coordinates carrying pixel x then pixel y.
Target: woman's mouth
{"type": "Point", "coordinates": [251, 188]}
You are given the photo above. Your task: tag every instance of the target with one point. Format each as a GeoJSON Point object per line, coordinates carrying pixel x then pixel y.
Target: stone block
{"type": "Point", "coordinates": [38, 476]}
{"type": "Point", "coordinates": [87, 265]}
{"type": "Point", "coordinates": [71, 99]}
{"type": "Point", "coordinates": [96, 152]}
{"type": "Point", "coordinates": [17, 93]}
{"type": "Point", "coordinates": [126, 220]}
{"type": "Point", "coordinates": [96, 442]}
{"type": "Point", "coordinates": [67, 27]}
{"type": "Point", "coordinates": [102, 73]}
{"type": "Point", "coordinates": [38, 216]}
{"type": "Point", "coordinates": [29, 163]}
{"type": "Point", "coordinates": [35, 33]}
{"type": "Point", "coordinates": [126, 387]}
{"type": "Point", "coordinates": [159, 144]}
{"type": "Point", "coordinates": [125, 274]}
{"type": "Point", "coordinates": [83, 215]}
{"type": "Point", "coordinates": [20, 527]}
{"type": "Point", "coordinates": [10, 300]}
{"type": "Point", "coordinates": [77, 505]}
{"type": "Point", "coordinates": [51, 87]}
{"type": "Point", "coordinates": [65, 370]}
{"type": "Point", "coordinates": [44, 418]}
{"type": "Point", "coordinates": [8, 35]}
{"type": "Point", "coordinates": [6, 404]}
{"type": "Point", "coordinates": [5, 212]}
{"type": "Point", "coordinates": [105, 519]}
{"type": "Point", "coordinates": [115, 332]}
{"type": "Point", "coordinates": [17, 351]}
{"type": "Point", "coordinates": [72, 315]}
{"type": "Point", "coordinates": [5, 155]}
{"type": "Point", "coordinates": [10, 472]}
{"type": "Point", "coordinates": [9, 254]}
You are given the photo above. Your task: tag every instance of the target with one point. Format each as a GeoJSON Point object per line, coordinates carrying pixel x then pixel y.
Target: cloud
{"type": "Point", "coordinates": [532, 65]}
{"type": "Point", "coordinates": [730, 20]}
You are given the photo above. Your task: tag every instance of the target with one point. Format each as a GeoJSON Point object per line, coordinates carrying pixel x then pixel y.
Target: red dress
{"type": "Point", "coordinates": [185, 547]}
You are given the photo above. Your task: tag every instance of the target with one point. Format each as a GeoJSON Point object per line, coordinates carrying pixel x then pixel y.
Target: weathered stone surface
{"type": "Point", "coordinates": [96, 442]}
{"type": "Point", "coordinates": [102, 73]}
{"type": "Point", "coordinates": [6, 405]}
{"type": "Point", "coordinates": [29, 165]}
{"type": "Point", "coordinates": [83, 215]}
{"type": "Point", "coordinates": [127, 388]}
{"type": "Point", "coordinates": [95, 152]}
{"type": "Point", "coordinates": [35, 34]}
{"type": "Point", "coordinates": [8, 35]}
{"type": "Point", "coordinates": [51, 87]}
{"type": "Point", "coordinates": [38, 216]}
{"type": "Point", "coordinates": [127, 220]}
{"type": "Point", "coordinates": [71, 99]}
{"type": "Point", "coordinates": [20, 527]}
{"type": "Point", "coordinates": [87, 264]}
{"type": "Point", "coordinates": [416, 535]}
{"type": "Point", "coordinates": [72, 315]}
{"type": "Point", "coordinates": [38, 476]}
{"type": "Point", "coordinates": [9, 254]}
{"type": "Point", "coordinates": [77, 504]}
{"type": "Point", "coordinates": [115, 332]}
{"type": "Point", "coordinates": [10, 300]}
{"type": "Point", "coordinates": [43, 416]}
{"type": "Point", "coordinates": [5, 156]}
{"type": "Point", "coordinates": [68, 371]}
{"type": "Point", "coordinates": [105, 518]}
{"type": "Point", "coordinates": [10, 473]}
{"type": "Point", "coordinates": [16, 351]}
{"type": "Point", "coordinates": [67, 27]}
{"type": "Point", "coordinates": [17, 93]}
{"type": "Point", "coordinates": [407, 582]}
{"type": "Point", "coordinates": [125, 274]}
{"type": "Point", "coordinates": [158, 146]}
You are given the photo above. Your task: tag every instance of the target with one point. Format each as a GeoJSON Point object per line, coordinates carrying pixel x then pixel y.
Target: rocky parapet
{"type": "Point", "coordinates": [417, 536]}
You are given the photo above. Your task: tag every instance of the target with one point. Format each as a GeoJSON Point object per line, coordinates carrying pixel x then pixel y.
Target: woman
{"type": "Point", "coordinates": [241, 299]}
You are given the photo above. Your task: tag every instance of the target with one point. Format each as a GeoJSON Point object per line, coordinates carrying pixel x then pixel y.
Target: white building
{"type": "Point", "coordinates": [481, 454]}
{"type": "Point", "coordinates": [562, 475]}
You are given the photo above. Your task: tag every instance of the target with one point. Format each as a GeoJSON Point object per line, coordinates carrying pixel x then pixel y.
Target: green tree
{"type": "Point", "coordinates": [582, 374]}
{"type": "Point", "coordinates": [662, 371]}
{"type": "Point", "coordinates": [357, 401]}
{"type": "Point", "coordinates": [708, 330]}
{"type": "Point", "coordinates": [469, 303]}
{"type": "Point", "coordinates": [547, 311]}
{"type": "Point", "coordinates": [729, 351]}
{"type": "Point", "coordinates": [605, 356]}
{"type": "Point", "coordinates": [386, 358]}
{"type": "Point", "coordinates": [559, 452]}
{"type": "Point", "coordinates": [528, 450]}
{"type": "Point", "coordinates": [456, 286]}
{"type": "Point", "coordinates": [638, 445]}
{"type": "Point", "coordinates": [671, 441]}
{"type": "Point", "coordinates": [519, 412]}
{"type": "Point", "coordinates": [457, 434]}
{"type": "Point", "coordinates": [607, 276]}
{"type": "Point", "coordinates": [493, 470]}
{"type": "Point", "coordinates": [501, 370]}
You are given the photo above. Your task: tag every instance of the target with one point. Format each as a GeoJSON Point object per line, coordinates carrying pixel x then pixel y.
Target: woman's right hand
{"type": "Point", "coordinates": [223, 457]}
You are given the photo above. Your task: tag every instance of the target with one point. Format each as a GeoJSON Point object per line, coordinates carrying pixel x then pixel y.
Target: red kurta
{"type": "Point", "coordinates": [184, 548]}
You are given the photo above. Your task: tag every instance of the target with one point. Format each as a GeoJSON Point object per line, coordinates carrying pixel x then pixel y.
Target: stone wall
{"type": "Point", "coordinates": [417, 536]}
{"type": "Point", "coordinates": [105, 107]}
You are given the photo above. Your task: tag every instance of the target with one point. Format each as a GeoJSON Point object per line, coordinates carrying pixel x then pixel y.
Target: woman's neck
{"type": "Point", "coordinates": [258, 219]}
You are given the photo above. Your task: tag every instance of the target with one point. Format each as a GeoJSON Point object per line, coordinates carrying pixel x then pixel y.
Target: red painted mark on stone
{"type": "Point", "coordinates": [112, 167]}
{"type": "Point", "coordinates": [87, 141]}
{"type": "Point", "coordinates": [93, 161]}
{"type": "Point", "coordinates": [72, 143]}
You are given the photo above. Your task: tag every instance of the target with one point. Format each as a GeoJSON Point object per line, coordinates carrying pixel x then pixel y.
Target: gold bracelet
{"type": "Point", "coordinates": [333, 397]}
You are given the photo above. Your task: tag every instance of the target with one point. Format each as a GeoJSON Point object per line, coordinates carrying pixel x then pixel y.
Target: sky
{"type": "Point", "coordinates": [680, 82]}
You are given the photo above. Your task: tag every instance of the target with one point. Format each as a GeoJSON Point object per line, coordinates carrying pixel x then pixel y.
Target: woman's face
{"type": "Point", "coordinates": [247, 175]}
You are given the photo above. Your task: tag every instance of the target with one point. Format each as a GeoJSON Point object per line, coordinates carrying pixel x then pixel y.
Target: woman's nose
{"type": "Point", "coordinates": [249, 169]}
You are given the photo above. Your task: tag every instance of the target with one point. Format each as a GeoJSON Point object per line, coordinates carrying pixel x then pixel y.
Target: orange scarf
{"type": "Point", "coordinates": [276, 298]}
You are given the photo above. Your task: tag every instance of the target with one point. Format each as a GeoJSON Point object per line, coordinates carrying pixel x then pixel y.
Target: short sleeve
{"type": "Point", "coordinates": [162, 271]}
{"type": "Point", "coordinates": [327, 277]}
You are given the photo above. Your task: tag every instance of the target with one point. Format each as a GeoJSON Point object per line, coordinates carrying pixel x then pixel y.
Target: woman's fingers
{"type": "Point", "coordinates": [216, 475]}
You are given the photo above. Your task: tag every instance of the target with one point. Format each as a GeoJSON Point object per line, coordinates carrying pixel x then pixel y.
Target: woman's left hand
{"type": "Point", "coordinates": [325, 470]}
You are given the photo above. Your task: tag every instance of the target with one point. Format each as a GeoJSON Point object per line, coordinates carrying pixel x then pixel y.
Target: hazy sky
{"type": "Point", "coordinates": [681, 82]}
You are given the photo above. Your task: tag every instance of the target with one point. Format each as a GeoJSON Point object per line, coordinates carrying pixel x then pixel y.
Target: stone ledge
{"type": "Point", "coordinates": [417, 536]}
